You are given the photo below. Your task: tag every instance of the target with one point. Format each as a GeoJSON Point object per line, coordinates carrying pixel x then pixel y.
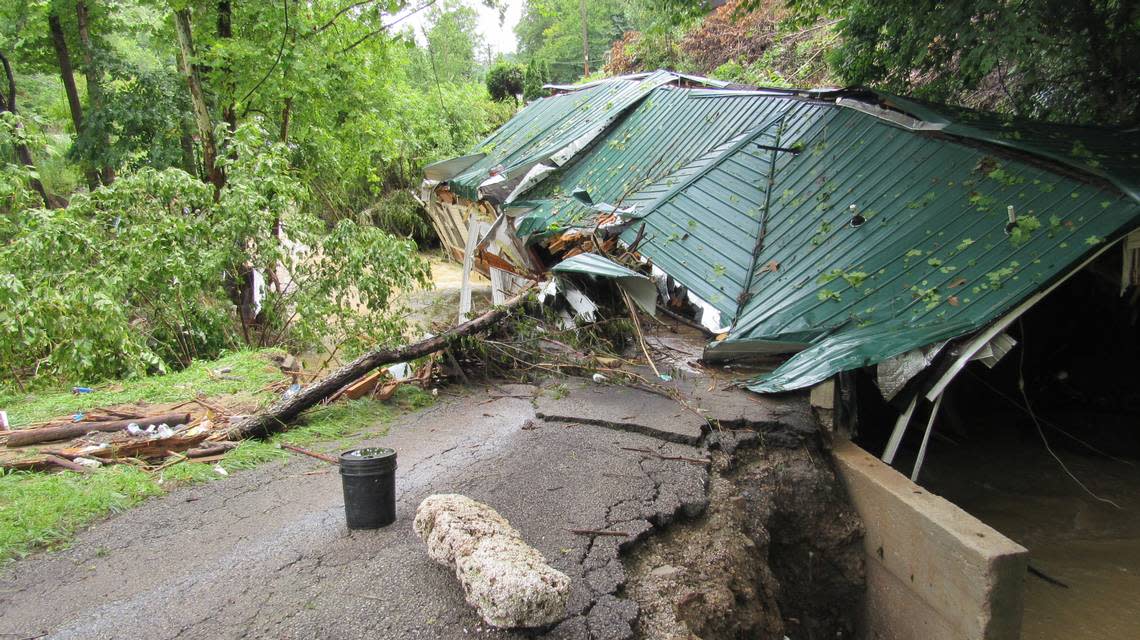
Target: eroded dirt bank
{"type": "Point", "coordinates": [776, 553]}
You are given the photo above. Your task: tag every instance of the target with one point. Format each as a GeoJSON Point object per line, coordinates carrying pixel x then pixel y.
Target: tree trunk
{"type": "Point", "coordinates": [94, 73]}
{"type": "Point", "coordinates": [24, 437]}
{"type": "Point", "coordinates": [286, 112]}
{"type": "Point", "coordinates": [67, 74]}
{"type": "Point", "coordinates": [226, 32]}
{"type": "Point", "coordinates": [189, 70]}
{"type": "Point", "coordinates": [186, 141]}
{"type": "Point", "coordinates": [23, 154]}
{"type": "Point", "coordinates": [277, 417]}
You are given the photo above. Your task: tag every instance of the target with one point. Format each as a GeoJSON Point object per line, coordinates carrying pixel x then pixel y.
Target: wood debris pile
{"type": "Point", "coordinates": [155, 437]}
{"type": "Point", "coordinates": [145, 437]}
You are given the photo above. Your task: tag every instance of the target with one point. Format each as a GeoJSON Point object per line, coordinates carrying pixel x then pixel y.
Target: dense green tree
{"type": "Point", "coordinates": [1068, 60]}
{"type": "Point", "coordinates": [217, 139]}
{"type": "Point", "coordinates": [537, 74]}
{"type": "Point", "coordinates": [551, 30]}
{"type": "Point", "coordinates": [452, 44]}
{"type": "Point", "coordinates": [505, 80]}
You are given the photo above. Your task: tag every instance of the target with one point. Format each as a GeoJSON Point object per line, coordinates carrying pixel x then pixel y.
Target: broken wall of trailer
{"type": "Point", "coordinates": [451, 216]}
{"type": "Point", "coordinates": [482, 240]}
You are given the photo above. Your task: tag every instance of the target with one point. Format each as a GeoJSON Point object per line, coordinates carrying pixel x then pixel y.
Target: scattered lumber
{"type": "Point", "coordinates": [141, 448]}
{"type": "Point", "coordinates": [66, 464]}
{"type": "Point", "coordinates": [363, 386]}
{"type": "Point", "coordinates": [281, 414]}
{"type": "Point", "coordinates": [26, 437]}
{"type": "Point", "coordinates": [213, 450]}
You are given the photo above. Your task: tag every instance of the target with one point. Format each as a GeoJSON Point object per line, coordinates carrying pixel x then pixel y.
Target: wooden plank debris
{"type": "Point", "coordinates": [26, 437]}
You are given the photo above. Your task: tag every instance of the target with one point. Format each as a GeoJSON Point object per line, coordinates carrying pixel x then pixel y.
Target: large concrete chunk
{"type": "Point", "coordinates": [505, 579]}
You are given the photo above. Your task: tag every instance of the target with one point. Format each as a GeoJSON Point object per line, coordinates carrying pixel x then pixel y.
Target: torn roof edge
{"type": "Point", "coordinates": [711, 82]}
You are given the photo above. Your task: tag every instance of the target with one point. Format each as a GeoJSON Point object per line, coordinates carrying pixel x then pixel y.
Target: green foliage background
{"type": "Point", "coordinates": [323, 116]}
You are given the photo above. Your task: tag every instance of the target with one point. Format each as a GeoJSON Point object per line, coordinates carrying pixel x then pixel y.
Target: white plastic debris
{"type": "Point", "coordinates": [90, 463]}
{"type": "Point", "coordinates": [599, 378]}
{"type": "Point", "coordinates": [153, 431]}
{"type": "Point", "coordinates": [220, 470]}
{"type": "Point", "coordinates": [400, 371]}
{"type": "Point", "coordinates": [505, 579]}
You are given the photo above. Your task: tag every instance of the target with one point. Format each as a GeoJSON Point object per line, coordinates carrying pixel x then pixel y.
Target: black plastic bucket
{"type": "Point", "coordinates": [369, 480]}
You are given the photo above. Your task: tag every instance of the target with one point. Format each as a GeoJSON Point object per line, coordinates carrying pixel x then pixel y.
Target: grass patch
{"type": "Point", "coordinates": [253, 369]}
{"type": "Point", "coordinates": [44, 510]}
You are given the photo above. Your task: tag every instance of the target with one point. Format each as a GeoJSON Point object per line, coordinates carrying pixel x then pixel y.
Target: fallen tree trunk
{"type": "Point", "coordinates": [66, 432]}
{"type": "Point", "coordinates": [278, 416]}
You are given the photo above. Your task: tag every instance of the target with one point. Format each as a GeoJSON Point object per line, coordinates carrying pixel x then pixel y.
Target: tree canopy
{"type": "Point", "coordinates": [1063, 60]}
{"type": "Point", "coordinates": [505, 80]}
{"type": "Point", "coordinates": [200, 175]}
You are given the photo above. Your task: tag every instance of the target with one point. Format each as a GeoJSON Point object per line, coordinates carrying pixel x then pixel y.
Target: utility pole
{"type": "Point", "coordinates": [585, 38]}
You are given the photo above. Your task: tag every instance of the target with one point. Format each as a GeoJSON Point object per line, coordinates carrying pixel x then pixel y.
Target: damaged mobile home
{"type": "Point", "coordinates": [845, 227]}
{"type": "Point", "coordinates": [861, 236]}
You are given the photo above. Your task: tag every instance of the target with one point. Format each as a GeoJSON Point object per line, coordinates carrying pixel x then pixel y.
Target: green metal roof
{"type": "Point", "coordinates": [637, 157]}
{"type": "Point", "coordinates": [1109, 153]}
{"type": "Point", "coordinates": [550, 124]}
{"type": "Point", "coordinates": [932, 260]}
{"type": "Point", "coordinates": [745, 198]}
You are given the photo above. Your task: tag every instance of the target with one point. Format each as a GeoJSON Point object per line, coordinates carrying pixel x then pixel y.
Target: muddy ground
{"type": "Point", "coordinates": [266, 554]}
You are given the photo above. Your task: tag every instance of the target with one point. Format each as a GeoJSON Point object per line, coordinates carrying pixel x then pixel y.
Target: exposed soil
{"type": "Point", "coordinates": [776, 553]}
{"type": "Point", "coordinates": [706, 578]}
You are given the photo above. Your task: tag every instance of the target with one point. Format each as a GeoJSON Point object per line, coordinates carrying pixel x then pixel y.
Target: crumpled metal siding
{"type": "Point", "coordinates": [547, 125]}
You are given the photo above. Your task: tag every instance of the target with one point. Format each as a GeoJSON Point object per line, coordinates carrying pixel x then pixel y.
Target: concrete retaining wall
{"type": "Point", "coordinates": [934, 572]}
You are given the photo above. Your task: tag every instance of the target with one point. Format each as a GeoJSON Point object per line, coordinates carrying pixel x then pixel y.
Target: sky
{"type": "Point", "coordinates": [501, 38]}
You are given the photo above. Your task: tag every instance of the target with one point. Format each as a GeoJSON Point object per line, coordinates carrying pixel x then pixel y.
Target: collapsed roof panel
{"type": "Point", "coordinates": [703, 232]}
{"type": "Point", "coordinates": [546, 126]}
{"type": "Point", "coordinates": [1109, 153]}
{"type": "Point", "coordinates": [669, 130]}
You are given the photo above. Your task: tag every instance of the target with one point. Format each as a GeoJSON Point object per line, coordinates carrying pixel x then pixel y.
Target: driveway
{"type": "Point", "coordinates": [265, 553]}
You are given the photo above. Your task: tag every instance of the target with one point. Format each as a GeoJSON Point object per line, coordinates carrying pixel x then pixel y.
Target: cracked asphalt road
{"type": "Point", "coordinates": [265, 553]}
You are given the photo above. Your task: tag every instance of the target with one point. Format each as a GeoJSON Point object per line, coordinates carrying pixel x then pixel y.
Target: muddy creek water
{"type": "Point", "coordinates": [1011, 483]}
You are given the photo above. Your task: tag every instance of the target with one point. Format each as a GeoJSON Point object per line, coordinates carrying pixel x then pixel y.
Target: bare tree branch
{"type": "Point", "coordinates": [391, 24]}
{"type": "Point", "coordinates": [280, 50]}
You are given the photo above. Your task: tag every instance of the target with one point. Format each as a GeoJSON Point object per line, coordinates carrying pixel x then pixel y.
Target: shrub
{"type": "Point", "coordinates": [505, 80]}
